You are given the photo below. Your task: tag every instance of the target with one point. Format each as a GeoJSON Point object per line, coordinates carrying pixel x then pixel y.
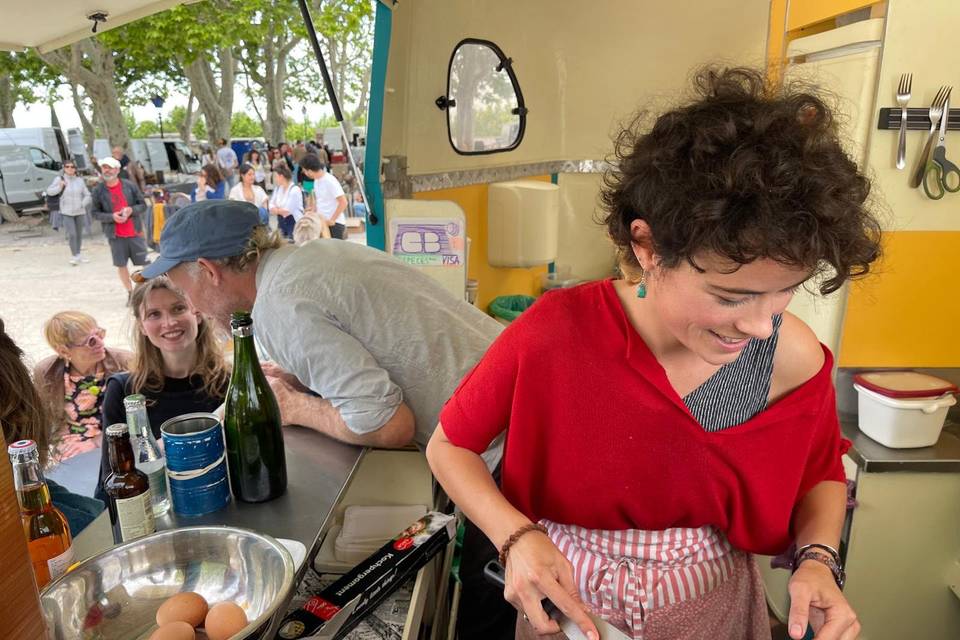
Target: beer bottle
{"type": "Point", "coordinates": [147, 455]}
{"type": "Point", "coordinates": [128, 489]}
{"type": "Point", "coordinates": [46, 528]}
{"type": "Point", "coordinates": [255, 454]}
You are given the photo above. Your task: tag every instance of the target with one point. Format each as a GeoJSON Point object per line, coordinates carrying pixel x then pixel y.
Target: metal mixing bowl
{"type": "Point", "coordinates": [115, 595]}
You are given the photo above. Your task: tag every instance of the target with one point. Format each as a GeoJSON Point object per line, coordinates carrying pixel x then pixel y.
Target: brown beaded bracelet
{"type": "Point", "coordinates": [527, 528]}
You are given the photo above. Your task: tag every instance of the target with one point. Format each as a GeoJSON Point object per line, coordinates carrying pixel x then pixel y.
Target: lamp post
{"type": "Point", "coordinates": [158, 103]}
{"type": "Point", "coordinates": [304, 111]}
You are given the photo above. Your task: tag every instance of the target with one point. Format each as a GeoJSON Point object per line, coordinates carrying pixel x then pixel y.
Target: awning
{"type": "Point", "coordinates": [50, 24]}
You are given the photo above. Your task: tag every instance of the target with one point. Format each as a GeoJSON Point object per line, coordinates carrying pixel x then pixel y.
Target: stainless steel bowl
{"type": "Point", "coordinates": [115, 595]}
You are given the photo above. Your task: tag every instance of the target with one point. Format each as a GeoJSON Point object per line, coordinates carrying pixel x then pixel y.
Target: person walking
{"type": "Point", "coordinates": [247, 190]}
{"type": "Point", "coordinates": [286, 201]}
{"type": "Point", "coordinates": [75, 200]}
{"type": "Point", "coordinates": [119, 206]}
{"type": "Point", "coordinates": [227, 163]}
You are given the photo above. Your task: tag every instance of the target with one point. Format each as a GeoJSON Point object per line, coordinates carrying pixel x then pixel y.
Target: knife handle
{"type": "Point", "coordinates": [496, 574]}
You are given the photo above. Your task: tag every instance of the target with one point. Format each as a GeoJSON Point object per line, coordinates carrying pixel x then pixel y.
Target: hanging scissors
{"type": "Point", "coordinates": [941, 175]}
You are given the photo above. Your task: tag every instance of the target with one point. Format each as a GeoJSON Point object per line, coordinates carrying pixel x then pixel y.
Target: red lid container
{"type": "Point", "coordinates": [904, 384]}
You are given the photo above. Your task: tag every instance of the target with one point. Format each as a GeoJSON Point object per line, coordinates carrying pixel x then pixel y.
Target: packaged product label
{"type": "Point", "coordinates": [59, 564]}
{"type": "Point", "coordinates": [135, 516]}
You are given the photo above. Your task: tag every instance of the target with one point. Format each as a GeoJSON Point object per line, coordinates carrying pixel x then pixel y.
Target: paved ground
{"type": "Point", "coordinates": [37, 280]}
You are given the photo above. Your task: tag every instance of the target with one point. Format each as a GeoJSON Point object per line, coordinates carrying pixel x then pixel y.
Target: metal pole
{"type": "Point", "coordinates": [331, 94]}
{"type": "Point", "coordinates": [160, 121]}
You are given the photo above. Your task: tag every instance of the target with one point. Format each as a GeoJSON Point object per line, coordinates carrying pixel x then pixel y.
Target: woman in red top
{"type": "Point", "coordinates": [666, 425]}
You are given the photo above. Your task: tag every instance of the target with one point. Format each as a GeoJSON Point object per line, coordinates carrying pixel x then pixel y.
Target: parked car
{"type": "Point", "coordinates": [25, 173]}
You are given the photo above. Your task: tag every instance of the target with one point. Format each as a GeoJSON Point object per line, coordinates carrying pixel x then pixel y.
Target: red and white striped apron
{"type": "Point", "coordinates": [682, 582]}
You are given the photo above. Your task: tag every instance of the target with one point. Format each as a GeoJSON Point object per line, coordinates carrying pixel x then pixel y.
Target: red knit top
{"type": "Point", "coordinates": [599, 438]}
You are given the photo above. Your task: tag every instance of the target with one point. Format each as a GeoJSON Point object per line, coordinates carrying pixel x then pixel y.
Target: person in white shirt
{"type": "Point", "coordinates": [331, 203]}
{"type": "Point", "coordinates": [287, 200]}
{"type": "Point", "coordinates": [247, 190]}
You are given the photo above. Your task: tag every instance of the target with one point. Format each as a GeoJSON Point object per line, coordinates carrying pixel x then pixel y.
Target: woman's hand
{"type": "Point", "coordinates": [536, 570]}
{"type": "Point", "coordinates": [815, 598]}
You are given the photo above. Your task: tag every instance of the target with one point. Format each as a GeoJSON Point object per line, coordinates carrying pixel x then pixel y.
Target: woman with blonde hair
{"type": "Point", "coordinates": [177, 362]}
{"type": "Point", "coordinates": [71, 381]}
{"type": "Point", "coordinates": [23, 416]}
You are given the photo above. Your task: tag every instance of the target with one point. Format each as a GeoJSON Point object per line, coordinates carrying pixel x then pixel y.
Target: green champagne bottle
{"type": "Point", "coordinates": [251, 422]}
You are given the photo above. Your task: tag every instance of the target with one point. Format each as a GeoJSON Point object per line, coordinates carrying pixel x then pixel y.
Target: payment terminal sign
{"type": "Point", "coordinates": [429, 242]}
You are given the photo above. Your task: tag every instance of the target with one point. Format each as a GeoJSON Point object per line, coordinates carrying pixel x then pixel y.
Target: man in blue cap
{"type": "Point", "coordinates": [381, 345]}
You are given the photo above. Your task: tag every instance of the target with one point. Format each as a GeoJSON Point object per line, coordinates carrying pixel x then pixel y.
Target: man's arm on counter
{"type": "Point", "coordinates": [308, 410]}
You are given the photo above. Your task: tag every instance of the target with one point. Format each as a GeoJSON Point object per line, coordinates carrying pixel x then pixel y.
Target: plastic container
{"type": "Point", "coordinates": [506, 309]}
{"type": "Point", "coordinates": [903, 409]}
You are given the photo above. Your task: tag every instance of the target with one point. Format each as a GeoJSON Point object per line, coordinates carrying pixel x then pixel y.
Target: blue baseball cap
{"type": "Point", "coordinates": [206, 229]}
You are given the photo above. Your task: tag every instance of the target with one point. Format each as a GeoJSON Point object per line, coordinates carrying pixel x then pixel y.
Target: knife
{"type": "Point", "coordinates": [495, 573]}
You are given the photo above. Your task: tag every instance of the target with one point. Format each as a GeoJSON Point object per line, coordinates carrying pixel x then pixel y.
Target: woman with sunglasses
{"type": "Point", "coordinates": [74, 203]}
{"type": "Point", "coordinates": [71, 381]}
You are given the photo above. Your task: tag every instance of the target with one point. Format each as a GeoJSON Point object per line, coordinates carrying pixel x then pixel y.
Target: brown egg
{"type": "Point", "coordinates": [176, 630]}
{"type": "Point", "coordinates": [224, 620]}
{"type": "Point", "coordinates": [186, 607]}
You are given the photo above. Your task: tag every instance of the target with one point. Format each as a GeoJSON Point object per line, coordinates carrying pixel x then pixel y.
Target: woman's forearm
{"type": "Point", "coordinates": [818, 517]}
{"type": "Point", "coordinates": [466, 479]}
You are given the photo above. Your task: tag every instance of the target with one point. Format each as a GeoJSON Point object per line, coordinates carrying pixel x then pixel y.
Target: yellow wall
{"type": "Point", "coordinates": [493, 281]}
{"type": "Point", "coordinates": [909, 314]}
{"type": "Point", "coordinates": [583, 68]}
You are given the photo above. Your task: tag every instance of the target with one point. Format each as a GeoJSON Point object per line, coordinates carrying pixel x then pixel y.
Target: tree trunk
{"type": "Point", "coordinates": [215, 101]}
{"type": "Point", "coordinates": [97, 81]}
{"type": "Point", "coordinates": [7, 102]}
{"type": "Point", "coordinates": [89, 133]}
{"type": "Point", "coordinates": [186, 129]}
{"type": "Point", "coordinates": [271, 80]}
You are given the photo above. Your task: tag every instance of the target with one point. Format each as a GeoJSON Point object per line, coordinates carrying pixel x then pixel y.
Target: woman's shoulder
{"type": "Point", "coordinates": [799, 356]}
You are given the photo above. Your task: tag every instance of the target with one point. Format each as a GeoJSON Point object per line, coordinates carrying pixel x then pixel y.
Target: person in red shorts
{"type": "Point", "coordinates": [664, 426]}
{"type": "Point", "coordinates": [119, 206]}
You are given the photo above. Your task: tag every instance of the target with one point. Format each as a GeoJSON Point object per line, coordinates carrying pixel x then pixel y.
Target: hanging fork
{"type": "Point", "coordinates": [936, 112]}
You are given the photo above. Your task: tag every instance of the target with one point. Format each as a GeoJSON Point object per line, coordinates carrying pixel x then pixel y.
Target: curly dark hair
{"type": "Point", "coordinates": [747, 170]}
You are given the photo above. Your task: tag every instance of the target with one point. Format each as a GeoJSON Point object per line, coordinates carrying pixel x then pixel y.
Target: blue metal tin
{"type": "Point", "coordinates": [196, 465]}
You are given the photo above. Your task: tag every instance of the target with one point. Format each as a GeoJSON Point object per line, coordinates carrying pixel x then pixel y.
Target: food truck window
{"type": "Point", "coordinates": [484, 104]}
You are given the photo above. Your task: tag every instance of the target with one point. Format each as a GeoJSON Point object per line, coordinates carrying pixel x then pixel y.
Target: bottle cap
{"type": "Point", "coordinates": [22, 447]}
{"type": "Point", "coordinates": [240, 319]}
{"type": "Point", "coordinates": [118, 429]}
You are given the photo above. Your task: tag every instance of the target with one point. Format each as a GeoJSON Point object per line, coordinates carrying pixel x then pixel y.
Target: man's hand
{"type": "Point", "coordinates": [273, 371]}
{"type": "Point", "coordinates": [288, 399]}
{"type": "Point", "coordinates": [118, 217]}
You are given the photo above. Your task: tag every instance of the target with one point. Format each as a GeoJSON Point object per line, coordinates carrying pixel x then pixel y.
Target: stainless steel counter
{"type": "Point", "coordinates": [318, 471]}
{"type": "Point", "coordinates": [873, 457]}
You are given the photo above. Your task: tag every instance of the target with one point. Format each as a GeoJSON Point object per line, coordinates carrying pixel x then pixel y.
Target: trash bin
{"type": "Point", "coordinates": [506, 309]}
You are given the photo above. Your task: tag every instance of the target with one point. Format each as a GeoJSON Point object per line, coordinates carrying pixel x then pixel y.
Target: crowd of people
{"type": "Point", "coordinates": [291, 184]}
{"type": "Point", "coordinates": [623, 448]}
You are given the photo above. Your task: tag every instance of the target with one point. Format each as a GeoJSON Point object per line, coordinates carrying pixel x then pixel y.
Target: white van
{"type": "Point", "coordinates": [50, 139]}
{"type": "Point", "coordinates": [25, 173]}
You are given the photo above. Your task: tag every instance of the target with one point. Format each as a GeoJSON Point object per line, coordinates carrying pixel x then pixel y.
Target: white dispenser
{"type": "Point", "coordinates": [522, 223]}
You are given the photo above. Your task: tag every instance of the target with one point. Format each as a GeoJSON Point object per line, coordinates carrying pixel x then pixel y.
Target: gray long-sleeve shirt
{"type": "Point", "coordinates": [367, 332]}
{"type": "Point", "coordinates": [73, 192]}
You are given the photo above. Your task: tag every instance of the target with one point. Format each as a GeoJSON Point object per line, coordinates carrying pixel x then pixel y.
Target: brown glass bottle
{"type": "Point", "coordinates": [128, 489]}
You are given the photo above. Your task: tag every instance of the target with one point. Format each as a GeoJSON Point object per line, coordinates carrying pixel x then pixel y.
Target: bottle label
{"type": "Point", "coordinates": [59, 565]}
{"type": "Point", "coordinates": [135, 516]}
{"type": "Point", "coordinates": [158, 483]}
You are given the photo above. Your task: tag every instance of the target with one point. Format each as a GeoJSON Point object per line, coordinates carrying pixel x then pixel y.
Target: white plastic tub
{"type": "Point", "coordinates": [902, 423]}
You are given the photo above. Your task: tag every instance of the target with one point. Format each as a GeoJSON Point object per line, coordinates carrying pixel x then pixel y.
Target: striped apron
{"type": "Point", "coordinates": [676, 583]}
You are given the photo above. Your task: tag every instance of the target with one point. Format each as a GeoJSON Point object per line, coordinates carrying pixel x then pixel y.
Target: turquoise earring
{"type": "Point", "coordinates": [642, 287]}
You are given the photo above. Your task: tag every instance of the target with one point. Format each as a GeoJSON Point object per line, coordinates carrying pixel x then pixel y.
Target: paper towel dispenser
{"type": "Point", "coordinates": [522, 223]}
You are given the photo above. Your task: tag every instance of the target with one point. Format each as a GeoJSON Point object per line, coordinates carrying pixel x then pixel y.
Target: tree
{"type": "Point", "coordinates": [243, 126]}
{"type": "Point", "coordinates": [23, 78]}
{"type": "Point", "coordinates": [264, 57]}
{"type": "Point", "coordinates": [198, 39]}
{"type": "Point", "coordinates": [345, 29]}
{"type": "Point", "coordinates": [90, 64]}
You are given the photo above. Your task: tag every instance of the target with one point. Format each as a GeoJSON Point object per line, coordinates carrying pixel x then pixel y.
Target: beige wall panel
{"type": "Point", "coordinates": [584, 250]}
{"type": "Point", "coordinates": [582, 68]}
{"type": "Point", "coordinates": [915, 42]}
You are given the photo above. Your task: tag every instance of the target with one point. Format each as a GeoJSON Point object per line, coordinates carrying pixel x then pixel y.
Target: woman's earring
{"type": "Point", "coordinates": [642, 287]}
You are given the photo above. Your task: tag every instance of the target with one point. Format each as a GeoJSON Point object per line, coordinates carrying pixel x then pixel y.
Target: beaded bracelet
{"type": "Point", "coordinates": [527, 528]}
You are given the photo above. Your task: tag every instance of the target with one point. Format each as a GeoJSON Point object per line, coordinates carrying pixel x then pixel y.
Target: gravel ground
{"type": "Point", "coordinates": [37, 280]}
